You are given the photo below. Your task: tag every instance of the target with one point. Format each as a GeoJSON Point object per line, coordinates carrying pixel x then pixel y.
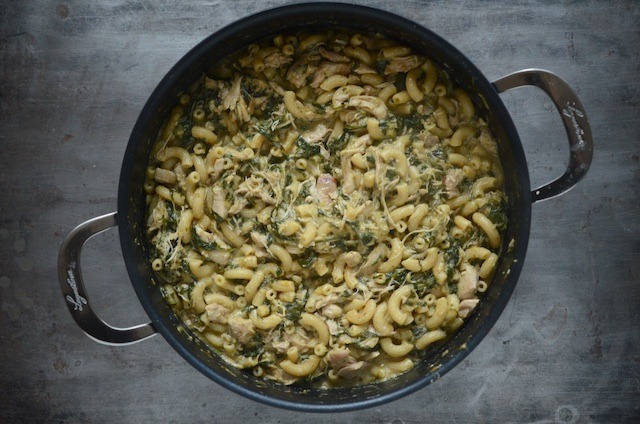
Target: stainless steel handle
{"type": "Point", "coordinates": [575, 122]}
{"type": "Point", "coordinates": [72, 286]}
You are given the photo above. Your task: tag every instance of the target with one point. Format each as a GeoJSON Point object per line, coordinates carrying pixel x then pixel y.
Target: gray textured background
{"type": "Point", "coordinates": [73, 78]}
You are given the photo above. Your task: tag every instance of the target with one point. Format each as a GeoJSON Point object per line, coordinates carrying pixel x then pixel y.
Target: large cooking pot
{"type": "Point", "coordinates": [130, 217]}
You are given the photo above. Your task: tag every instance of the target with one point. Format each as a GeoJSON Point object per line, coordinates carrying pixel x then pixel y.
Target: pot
{"type": "Point", "coordinates": [130, 216]}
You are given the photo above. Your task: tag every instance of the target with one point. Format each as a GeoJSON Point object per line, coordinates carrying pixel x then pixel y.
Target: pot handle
{"type": "Point", "coordinates": [72, 286]}
{"type": "Point", "coordinates": [575, 122]}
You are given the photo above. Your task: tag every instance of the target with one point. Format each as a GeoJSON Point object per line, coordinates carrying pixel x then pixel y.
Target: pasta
{"type": "Point", "coordinates": [324, 207]}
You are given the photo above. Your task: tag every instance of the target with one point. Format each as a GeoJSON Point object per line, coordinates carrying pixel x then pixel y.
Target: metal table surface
{"type": "Point", "coordinates": [74, 76]}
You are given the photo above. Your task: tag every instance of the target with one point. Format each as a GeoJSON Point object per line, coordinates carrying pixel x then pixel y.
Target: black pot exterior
{"type": "Point", "coordinates": [131, 203]}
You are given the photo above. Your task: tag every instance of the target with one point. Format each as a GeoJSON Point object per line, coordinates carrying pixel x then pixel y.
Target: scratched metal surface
{"type": "Point", "coordinates": [73, 78]}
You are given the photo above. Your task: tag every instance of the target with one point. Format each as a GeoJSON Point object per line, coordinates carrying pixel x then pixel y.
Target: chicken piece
{"type": "Point", "coordinates": [466, 306]}
{"type": "Point", "coordinates": [371, 104]}
{"type": "Point", "coordinates": [486, 141]}
{"type": "Point", "coordinates": [241, 328]}
{"type": "Point", "coordinates": [452, 179]}
{"type": "Point", "coordinates": [299, 340]}
{"type": "Point", "coordinates": [334, 329]}
{"type": "Point", "coordinates": [348, 184]}
{"type": "Point", "coordinates": [157, 217]}
{"type": "Point", "coordinates": [352, 259]}
{"type": "Point", "coordinates": [233, 100]}
{"type": "Point", "coordinates": [339, 98]}
{"type": "Point", "coordinates": [325, 300]}
{"type": "Point", "coordinates": [165, 176]}
{"type": "Point", "coordinates": [331, 311]}
{"type": "Point", "coordinates": [220, 257]}
{"type": "Point", "coordinates": [333, 56]}
{"type": "Point", "coordinates": [340, 358]}
{"type": "Point", "coordinates": [217, 313]}
{"type": "Point", "coordinates": [402, 64]}
{"type": "Point", "coordinates": [218, 205]}
{"type": "Point", "coordinates": [181, 176]}
{"type": "Point", "coordinates": [327, 189]}
{"type": "Point", "coordinates": [277, 88]}
{"type": "Point", "coordinates": [276, 60]}
{"type": "Point", "coordinates": [317, 134]}
{"type": "Point", "coordinates": [283, 377]}
{"type": "Point", "coordinates": [300, 70]}
{"type": "Point", "coordinates": [231, 97]}
{"type": "Point", "coordinates": [352, 370]}
{"type": "Point", "coordinates": [371, 356]}
{"type": "Point", "coordinates": [238, 205]}
{"type": "Point", "coordinates": [468, 283]}
{"type": "Point", "coordinates": [372, 260]}
{"type": "Point", "coordinates": [362, 69]}
{"type": "Point", "coordinates": [342, 94]}
{"type": "Point", "coordinates": [260, 239]}
{"type": "Point", "coordinates": [281, 346]}
{"type": "Point", "coordinates": [429, 140]}
{"type": "Point", "coordinates": [327, 69]}
{"type": "Point", "coordinates": [297, 75]}
{"type": "Point", "coordinates": [210, 238]}
{"type": "Point", "coordinates": [345, 364]}
{"type": "Point", "coordinates": [218, 167]}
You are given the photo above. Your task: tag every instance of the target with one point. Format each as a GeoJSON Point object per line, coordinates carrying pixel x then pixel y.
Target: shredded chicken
{"type": "Point", "coordinates": [345, 364]}
{"type": "Point", "coordinates": [341, 95]}
{"type": "Point", "coordinates": [372, 104]}
{"type": "Point", "coordinates": [232, 96]}
{"type": "Point", "coordinates": [364, 69]}
{"type": "Point", "coordinates": [327, 69]}
{"type": "Point", "coordinates": [220, 257]}
{"type": "Point", "coordinates": [218, 167]}
{"type": "Point", "coordinates": [276, 60]}
{"type": "Point", "coordinates": [331, 311]}
{"type": "Point", "coordinates": [301, 70]}
{"type": "Point", "coordinates": [323, 301]}
{"type": "Point", "coordinates": [340, 358]}
{"type": "Point", "coordinates": [165, 176]}
{"type": "Point", "coordinates": [259, 239]}
{"type": "Point", "coordinates": [233, 100]}
{"type": "Point", "coordinates": [318, 134]}
{"type": "Point", "coordinates": [157, 217]}
{"type": "Point", "coordinates": [282, 377]}
{"type": "Point", "coordinates": [281, 346]}
{"type": "Point", "coordinates": [238, 205]}
{"type": "Point", "coordinates": [218, 202]}
{"type": "Point", "coordinates": [211, 238]}
{"type": "Point", "coordinates": [348, 184]}
{"type": "Point", "coordinates": [468, 283]}
{"type": "Point", "coordinates": [466, 306]}
{"type": "Point", "coordinates": [402, 64]}
{"type": "Point", "coordinates": [352, 370]}
{"type": "Point", "coordinates": [372, 260]}
{"type": "Point", "coordinates": [452, 179]}
{"type": "Point", "coordinates": [327, 189]}
{"type": "Point", "coordinates": [333, 327]}
{"type": "Point", "coordinates": [217, 313]}
{"type": "Point", "coordinates": [298, 339]}
{"type": "Point", "coordinates": [428, 139]}
{"type": "Point", "coordinates": [180, 176]}
{"type": "Point", "coordinates": [333, 56]}
{"type": "Point", "coordinates": [241, 328]}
